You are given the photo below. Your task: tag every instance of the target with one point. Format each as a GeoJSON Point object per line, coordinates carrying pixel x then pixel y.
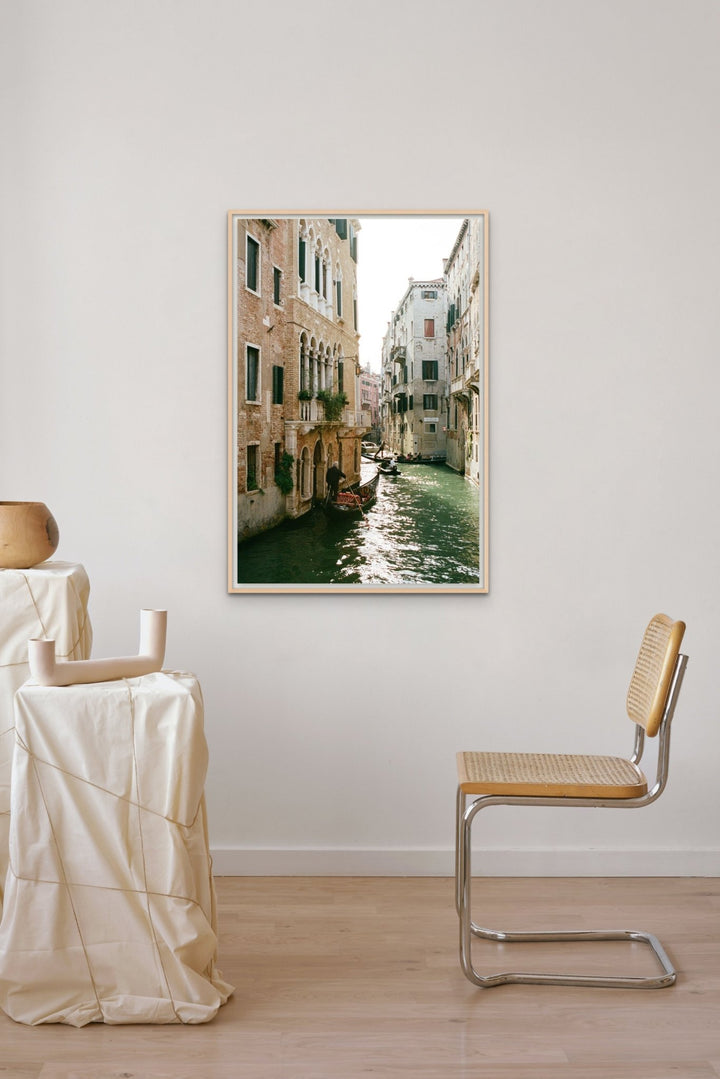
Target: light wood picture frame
{"type": "Point", "coordinates": [358, 376]}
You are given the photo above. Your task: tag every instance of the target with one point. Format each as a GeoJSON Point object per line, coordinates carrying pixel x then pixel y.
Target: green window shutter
{"type": "Point", "coordinates": [278, 384]}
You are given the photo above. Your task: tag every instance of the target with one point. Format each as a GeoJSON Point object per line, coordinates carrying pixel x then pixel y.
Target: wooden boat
{"type": "Point", "coordinates": [418, 459]}
{"type": "Point", "coordinates": [388, 467]}
{"type": "Point", "coordinates": [355, 500]}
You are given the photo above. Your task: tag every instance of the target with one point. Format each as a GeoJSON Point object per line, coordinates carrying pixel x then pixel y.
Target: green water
{"type": "Point", "coordinates": [423, 530]}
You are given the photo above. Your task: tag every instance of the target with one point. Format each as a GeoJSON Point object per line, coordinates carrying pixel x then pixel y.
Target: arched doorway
{"type": "Point", "coordinates": [318, 472]}
{"type": "Point", "coordinates": [305, 484]}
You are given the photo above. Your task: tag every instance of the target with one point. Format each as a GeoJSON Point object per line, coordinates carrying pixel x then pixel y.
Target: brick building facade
{"type": "Point", "coordinates": [296, 364]}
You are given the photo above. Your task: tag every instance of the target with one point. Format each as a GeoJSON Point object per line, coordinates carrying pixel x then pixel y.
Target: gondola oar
{"type": "Point", "coordinates": [359, 502]}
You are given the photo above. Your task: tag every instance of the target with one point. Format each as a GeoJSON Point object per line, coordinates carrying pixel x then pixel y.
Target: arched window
{"type": "Point", "coordinates": [305, 474]}
{"type": "Point", "coordinates": [317, 278]}
{"type": "Point", "coordinates": [304, 363]}
{"type": "Point", "coordinates": [320, 367]}
{"type": "Point", "coordinates": [302, 251]}
{"type": "Point", "coordinates": [325, 273]}
{"type": "Point", "coordinates": [313, 383]}
{"type": "Point", "coordinates": [328, 372]}
{"type": "Point", "coordinates": [338, 291]}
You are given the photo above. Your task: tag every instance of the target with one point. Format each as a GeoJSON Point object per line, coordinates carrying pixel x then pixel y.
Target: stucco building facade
{"type": "Point", "coordinates": [369, 394]}
{"type": "Point", "coordinates": [415, 375]}
{"type": "Point", "coordinates": [465, 349]}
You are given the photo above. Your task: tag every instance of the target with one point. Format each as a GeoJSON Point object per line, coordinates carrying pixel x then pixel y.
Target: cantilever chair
{"type": "Point", "coordinates": [532, 779]}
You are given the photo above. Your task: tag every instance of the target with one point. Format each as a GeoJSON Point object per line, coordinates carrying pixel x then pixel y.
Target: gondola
{"type": "Point", "coordinates": [387, 467]}
{"type": "Point", "coordinates": [355, 500]}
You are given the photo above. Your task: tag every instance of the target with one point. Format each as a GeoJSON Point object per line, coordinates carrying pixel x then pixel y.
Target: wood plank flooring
{"type": "Point", "coordinates": [346, 978]}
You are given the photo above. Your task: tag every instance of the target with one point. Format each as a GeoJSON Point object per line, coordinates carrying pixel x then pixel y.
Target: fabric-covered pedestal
{"type": "Point", "coordinates": [110, 907]}
{"type": "Point", "coordinates": [49, 600]}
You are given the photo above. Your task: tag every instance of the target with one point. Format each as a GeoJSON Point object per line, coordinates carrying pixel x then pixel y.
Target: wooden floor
{"type": "Point", "coordinates": [347, 978]}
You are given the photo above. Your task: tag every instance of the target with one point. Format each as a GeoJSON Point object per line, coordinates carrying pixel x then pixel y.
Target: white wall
{"type": "Point", "coordinates": [590, 133]}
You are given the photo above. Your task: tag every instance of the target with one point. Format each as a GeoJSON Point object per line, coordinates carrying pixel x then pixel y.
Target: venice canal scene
{"type": "Point", "coordinates": [359, 434]}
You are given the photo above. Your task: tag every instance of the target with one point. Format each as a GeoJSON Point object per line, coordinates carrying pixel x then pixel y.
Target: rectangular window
{"type": "Point", "coordinates": [302, 253]}
{"type": "Point", "coordinates": [429, 294]}
{"type": "Point", "coordinates": [278, 384]}
{"type": "Point", "coordinates": [341, 227]}
{"type": "Point", "coordinates": [430, 402]}
{"type": "Point", "coordinates": [318, 283]}
{"type": "Point", "coordinates": [252, 373]}
{"type": "Point", "coordinates": [277, 278]}
{"type": "Point", "coordinates": [432, 428]}
{"type": "Point", "coordinates": [353, 244]}
{"type": "Point", "coordinates": [341, 377]}
{"type": "Point", "coordinates": [338, 296]}
{"type": "Point", "coordinates": [355, 322]}
{"type": "Point", "coordinates": [429, 327]}
{"type": "Point", "coordinates": [430, 369]}
{"type": "Point", "coordinates": [252, 264]}
{"type": "Point", "coordinates": [251, 482]}
{"type": "Point", "coordinates": [278, 455]}
{"type": "Point", "coordinates": [411, 402]}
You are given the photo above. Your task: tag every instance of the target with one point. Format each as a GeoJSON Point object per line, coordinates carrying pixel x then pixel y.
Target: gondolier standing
{"type": "Point", "coordinates": [332, 478]}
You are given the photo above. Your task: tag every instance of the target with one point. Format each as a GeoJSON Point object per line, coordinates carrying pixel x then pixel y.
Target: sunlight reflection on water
{"type": "Point", "coordinates": [423, 529]}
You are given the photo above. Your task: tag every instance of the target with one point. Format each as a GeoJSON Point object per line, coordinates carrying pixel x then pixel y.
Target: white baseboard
{"type": "Point", "coordinates": [238, 862]}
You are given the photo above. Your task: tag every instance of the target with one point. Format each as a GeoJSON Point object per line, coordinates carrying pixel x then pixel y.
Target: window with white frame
{"type": "Point", "coordinates": [302, 258]}
{"type": "Point", "coordinates": [252, 373]}
{"type": "Point", "coordinates": [338, 297]}
{"type": "Point", "coordinates": [252, 264]}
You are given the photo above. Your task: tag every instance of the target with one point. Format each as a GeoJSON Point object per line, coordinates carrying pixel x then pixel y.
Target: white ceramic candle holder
{"type": "Point", "coordinates": [48, 671]}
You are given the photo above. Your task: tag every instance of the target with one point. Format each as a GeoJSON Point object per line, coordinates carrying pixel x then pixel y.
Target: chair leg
{"type": "Point", "coordinates": [468, 929]}
{"type": "Point", "coordinates": [459, 858]}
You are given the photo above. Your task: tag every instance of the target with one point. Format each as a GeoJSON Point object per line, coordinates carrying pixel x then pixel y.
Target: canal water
{"type": "Point", "coordinates": [423, 530]}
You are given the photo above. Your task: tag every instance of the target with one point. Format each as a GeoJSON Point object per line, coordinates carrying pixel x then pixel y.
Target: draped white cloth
{"type": "Point", "coordinates": [49, 600]}
{"type": "Point", "coordinates": [110, 906]}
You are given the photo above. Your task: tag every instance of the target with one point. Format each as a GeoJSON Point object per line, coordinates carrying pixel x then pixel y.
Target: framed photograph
{"type": "Point", "coordinates": [357, 401]}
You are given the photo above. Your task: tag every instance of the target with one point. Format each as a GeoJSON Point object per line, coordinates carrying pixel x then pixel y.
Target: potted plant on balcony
{"type": "Point", "coordinates": [334, 404]}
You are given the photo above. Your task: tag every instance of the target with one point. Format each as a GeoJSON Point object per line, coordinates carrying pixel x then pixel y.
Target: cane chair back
{"type": "Point", "coordinates": [652, 677]}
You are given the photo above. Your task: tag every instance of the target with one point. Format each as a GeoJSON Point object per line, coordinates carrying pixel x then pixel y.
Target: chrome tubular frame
{"type": "Point", "coordinates": [463, 875]}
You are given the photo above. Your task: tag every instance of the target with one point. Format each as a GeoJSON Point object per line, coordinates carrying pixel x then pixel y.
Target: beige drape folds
{"type": "Point", "coordinates": [49, 600]}
{"type": "Point", "coordinates": [110, 907]}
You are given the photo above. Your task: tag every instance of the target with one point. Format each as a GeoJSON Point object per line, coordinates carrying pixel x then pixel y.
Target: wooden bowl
{"type": "Point", "coordinates": [28, 534]}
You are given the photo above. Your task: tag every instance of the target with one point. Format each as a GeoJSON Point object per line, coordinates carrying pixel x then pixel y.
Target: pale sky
{"type": "Point", "coordinates": [390, 250]}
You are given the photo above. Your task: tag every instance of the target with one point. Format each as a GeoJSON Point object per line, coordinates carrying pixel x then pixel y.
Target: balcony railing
{"type": "Point", "coordinates": [312, 411]}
